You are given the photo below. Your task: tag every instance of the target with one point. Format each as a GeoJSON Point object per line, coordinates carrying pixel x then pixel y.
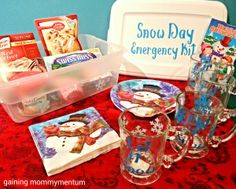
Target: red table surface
{"type": "Point", "coordinates": [20, 163]}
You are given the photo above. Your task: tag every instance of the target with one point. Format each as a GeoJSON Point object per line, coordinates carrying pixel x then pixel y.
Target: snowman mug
{"type": "Point", "coordinates": [144, 134]}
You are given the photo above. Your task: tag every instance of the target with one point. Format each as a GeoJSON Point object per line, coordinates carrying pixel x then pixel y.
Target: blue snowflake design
{"type": "Point", "coordinates": [180, 116]}
{"type": "Point", "coordinates": [199, 68]}
{"type": "Point", "coordinates": [206, 63]}
{"type": "Point", "coordinates": [212, 90]}
{"type": "Point", "coordinates": [202, 104]}
{"type": "Point", "coordinates": [195, 71]}
{"type": "Point", "coordinates": [200, 124]}
{"type": "Point", "coordinates": [193, 122]}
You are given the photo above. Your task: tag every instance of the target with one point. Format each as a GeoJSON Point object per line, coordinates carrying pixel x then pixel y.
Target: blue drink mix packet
{"type": "Point", "coordinates": [218, 49]}
{"type": "Point", "coordinates": [62, 60]}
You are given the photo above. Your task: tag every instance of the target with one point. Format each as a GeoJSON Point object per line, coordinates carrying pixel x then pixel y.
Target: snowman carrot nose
{"type": "Point", "coordinates": [64, 126]}
{"type": "Point", "coordinates": [140, 95]}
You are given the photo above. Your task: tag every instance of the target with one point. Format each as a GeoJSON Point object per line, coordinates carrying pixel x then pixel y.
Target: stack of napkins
{"type": "Point", "coordinates": [72, 139]}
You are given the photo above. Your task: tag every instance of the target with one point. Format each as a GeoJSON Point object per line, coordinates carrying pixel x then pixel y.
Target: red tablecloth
{"type": "Point", "coordinates": [20, 163]}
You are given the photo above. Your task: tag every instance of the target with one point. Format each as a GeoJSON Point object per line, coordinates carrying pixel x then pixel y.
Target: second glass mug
{"type": "Point", "coordinates": [222, 88]}
{"type": "Point", "coordinates": [200, 113]}
{"type": "Point", "coordinates": [144, 133]}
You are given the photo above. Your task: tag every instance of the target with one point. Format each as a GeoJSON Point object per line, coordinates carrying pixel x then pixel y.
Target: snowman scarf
{"type": "Point", "coordinates": [158, 103]}
{"type": "Point", "coordinates": [82, 133]}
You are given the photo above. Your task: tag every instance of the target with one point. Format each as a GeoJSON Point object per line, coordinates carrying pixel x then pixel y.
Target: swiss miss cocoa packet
{"type": "Point", "coordinates": [59, 35]}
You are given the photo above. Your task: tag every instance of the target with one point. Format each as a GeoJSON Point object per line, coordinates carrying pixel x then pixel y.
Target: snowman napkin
{"type": "Point", "coordinates": [72, 139]}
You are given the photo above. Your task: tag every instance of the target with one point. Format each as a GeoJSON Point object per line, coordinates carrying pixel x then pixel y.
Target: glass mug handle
{"type": "Point", "coordinates": [217, 139]}
{"type": "Point", "coordinates": [181, 137]}
{"type": "Point", "coordinates": [227, 114]}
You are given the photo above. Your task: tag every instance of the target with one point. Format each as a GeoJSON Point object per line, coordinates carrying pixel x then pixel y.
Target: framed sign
{"type": "Point", "coordinates": [160, 36]}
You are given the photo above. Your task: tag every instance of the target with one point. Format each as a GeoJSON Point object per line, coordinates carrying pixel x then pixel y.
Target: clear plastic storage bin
{"type": "Point", "coordinates": [32, 96]}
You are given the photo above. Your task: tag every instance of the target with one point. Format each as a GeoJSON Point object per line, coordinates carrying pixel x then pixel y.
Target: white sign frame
{"type": "Point", "coordinates": [130, 19]}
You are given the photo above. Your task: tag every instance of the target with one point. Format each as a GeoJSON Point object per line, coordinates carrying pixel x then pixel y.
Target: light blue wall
{"type": "Point", "coordinates": [17, 15]}
{"type": "Point", "coordinates": [231, 6]}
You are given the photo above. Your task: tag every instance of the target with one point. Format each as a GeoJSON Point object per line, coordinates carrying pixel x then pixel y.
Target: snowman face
{"type": "Point", "coordinates": [208, 50]}
{"type": "Point", "coordinates": [71, 126]}
{"type": "Point", "coordinates": [219, 48]}
{"type": "Point", "coordinates": [223, 63]}
{"type": "Point", "coordinates": [145, 96]}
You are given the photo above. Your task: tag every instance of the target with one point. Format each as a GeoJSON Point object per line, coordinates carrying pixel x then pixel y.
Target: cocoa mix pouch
{"type": "Point", "coordinates": [59, 35]}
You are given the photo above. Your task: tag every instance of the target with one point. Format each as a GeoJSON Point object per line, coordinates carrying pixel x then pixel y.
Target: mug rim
{"type": "Point", "coordinates": [121, 125]}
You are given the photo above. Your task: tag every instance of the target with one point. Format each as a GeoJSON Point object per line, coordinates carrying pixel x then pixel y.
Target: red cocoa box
{"type": "Point", "coordinates": [19, 53]}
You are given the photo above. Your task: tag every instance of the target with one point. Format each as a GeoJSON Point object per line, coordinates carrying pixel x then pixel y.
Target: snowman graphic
{"type": "Point", "coordinates": [225, 68]}
{"type": "Point", "coordinates": [73, 134]}
{"type": "Point", "coordinates": [147, 96]}
{"type": "Point", "coordinates": [219, 49]}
